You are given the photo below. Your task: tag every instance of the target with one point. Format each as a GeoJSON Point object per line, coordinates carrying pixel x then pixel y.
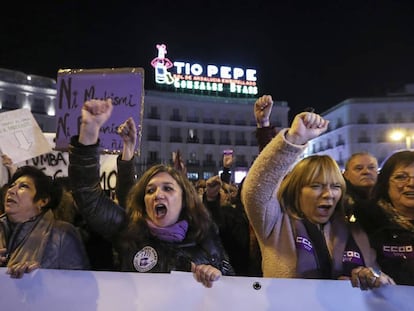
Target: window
{"type": "Point", "coordinates": [153, 133]}
{"type": "Point", "coordinates": [339, 123]}
{"type": "Point", "coordinates": [329, 144]}
{"type": "Point", "coordinates": [208, 137]}
{"type": "Point", "coordinates": [225, 138]}
{"type": "Point", "coordinates": [153, 113]}
{"type": "Point", "coordinates": [10, 101]}
{"type": "Point", "coordinates": [398, 118]}
{"type": "Point", "coordinates": [175, 136]}
{"type": "Point", "coordinates": [241, 160]}
{"type": "Point", "coordinates": [192, 136]}
{"type": "Point", "coordinates": [208, 161]}
{"type": "Point", "coordinates": [363, 137]}
{"type": "Point", "coordinates": [38, 105]}
{"type": "Point", "coordinates": [152, 157]}
{"type": "Point", "coordinates": [240, 139]}
{"type": "Point", "coordinates": [382, 118]}
{"type": "Point", "coordinates": [363, 119]}
{"type": "Point", "coordinates": [176, 115]}
{"type": "Point", "coordinates": [192, 160]}
{"type": "Point", "coordinates": [340, 141]}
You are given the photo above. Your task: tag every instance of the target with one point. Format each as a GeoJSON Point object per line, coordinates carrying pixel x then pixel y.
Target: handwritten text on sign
{"type": "Point", "coordinates": [125, 86]}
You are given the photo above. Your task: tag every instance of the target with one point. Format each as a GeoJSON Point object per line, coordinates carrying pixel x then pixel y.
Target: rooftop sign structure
{"type": "Point", "coordinates": [211, 79]}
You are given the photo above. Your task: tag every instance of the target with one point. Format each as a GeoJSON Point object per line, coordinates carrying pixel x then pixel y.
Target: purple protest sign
{"type": "Point", "coordinates": [125, 86]}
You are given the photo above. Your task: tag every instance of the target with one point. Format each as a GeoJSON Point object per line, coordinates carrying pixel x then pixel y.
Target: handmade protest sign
{"type": "Point", "coordinates": [20, 136]}
{"type": "Point", "coordinates": [125, 86]}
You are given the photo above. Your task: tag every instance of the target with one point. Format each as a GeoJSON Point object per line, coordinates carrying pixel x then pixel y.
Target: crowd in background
{"type": "Point", "coordinates": [289, 217]}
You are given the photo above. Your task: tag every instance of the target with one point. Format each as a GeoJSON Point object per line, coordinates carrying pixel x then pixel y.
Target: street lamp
{"type": "Point", "coordinates": [398, 135]}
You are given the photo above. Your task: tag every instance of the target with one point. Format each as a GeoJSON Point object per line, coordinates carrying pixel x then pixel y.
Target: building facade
{"type": "Point", "coordinates": [20, 90]}
{"type": "Point", "coordinates": [367, 124]}
{"type": "Point", "coordinates": [200, 127]}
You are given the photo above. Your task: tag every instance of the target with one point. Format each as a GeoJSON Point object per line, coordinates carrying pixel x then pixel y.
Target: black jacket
{"type": "Point", "coordinates": [392, 237]}
{"type": "Point", "coordinates": [142, 252]}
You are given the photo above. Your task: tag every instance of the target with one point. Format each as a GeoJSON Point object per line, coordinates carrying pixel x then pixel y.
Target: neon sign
{"type": "Point", "coordinates": [182, 75]}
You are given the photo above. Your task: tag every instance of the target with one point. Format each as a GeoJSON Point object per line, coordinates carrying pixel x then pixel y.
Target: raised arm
{"type": "Point", "coordinates": [270, 168]}
{"type": "Point", "coordinates": [94, 114]}
{"type": "Point", "coordinates": [126, 176]}
{"type": "Point", "coordinates": [262, 111]}
{"type": "Point", "coordinates": [102, 214]}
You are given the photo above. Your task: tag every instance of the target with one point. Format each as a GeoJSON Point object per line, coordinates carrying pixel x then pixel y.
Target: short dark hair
{"type": "Point", "coordinates": [46, 188]}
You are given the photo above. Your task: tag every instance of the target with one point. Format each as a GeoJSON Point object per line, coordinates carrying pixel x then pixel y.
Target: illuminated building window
{"type": "Point", "coordinates": [192, 136]}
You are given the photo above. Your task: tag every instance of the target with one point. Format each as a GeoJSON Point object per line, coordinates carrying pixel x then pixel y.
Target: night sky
{"type": "Point", "coordinates": [308, 53]}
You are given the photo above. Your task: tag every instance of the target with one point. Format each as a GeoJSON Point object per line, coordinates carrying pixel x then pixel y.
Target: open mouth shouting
{"type": "Point", "coordinates": [325, 210]}
{"type": "Point", "coordinates": [160, 210]}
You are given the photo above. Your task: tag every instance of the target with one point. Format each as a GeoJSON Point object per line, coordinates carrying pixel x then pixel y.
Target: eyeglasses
{"type": "Point", "coordinates": [401, 178]}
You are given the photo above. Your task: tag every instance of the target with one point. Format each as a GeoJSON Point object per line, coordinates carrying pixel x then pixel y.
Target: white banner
{"type": "Point", "coordinates": [63, 290]}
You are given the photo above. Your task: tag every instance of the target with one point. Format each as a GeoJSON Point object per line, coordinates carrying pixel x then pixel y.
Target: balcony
{"type": "Point", "coordinates": [176, 118]}
{"type": "Point", "coordinates": [153, 138]}
{"type": "Point", "coordinates": [192, 140]}
{"type": "Point", "coordinates": [176, 139]}
{"type": "Point", "coordinates": [192, 119]}
{"type": "Point", "coordinates": [240, 122]}
{"type": "Point", "coordinates": [209, 141]}
{"type": "Point", "coordinates": [225, 141]}
{"type": "Point", "coordinates": [340, 143]}
{"type": "Point", "coordinates": [224, 121]}
{"type": "Point", "coordinates": [241, 163]}
{"type": "Point", "coordinates": [155, 116]}
{"type": "Point", "coordinates": [241, 142]}
{"type": "Point", "coordinates": [193, 163]}
{"type": "Point", "coordinates": [209, 163]}
{"type": "Point", "coordinates": [364, 140]}
{"type": "Point", "coordinates": [209, 120]}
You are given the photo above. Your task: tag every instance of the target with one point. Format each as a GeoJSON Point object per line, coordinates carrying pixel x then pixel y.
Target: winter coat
{"type": "Point", "coordinates": [141, 252]}
{"type": "Point", "coordinates": [392, 236]}
{"type": "Point", "coordinates": [53, 243]}
{"type": "Point", "coordinates": [287, 250]}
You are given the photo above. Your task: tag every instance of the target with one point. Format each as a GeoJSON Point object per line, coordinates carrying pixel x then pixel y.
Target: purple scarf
{"type": "Point", "coordinates": [173, 233]}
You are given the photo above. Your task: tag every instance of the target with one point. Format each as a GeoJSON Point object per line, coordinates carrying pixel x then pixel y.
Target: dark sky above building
{"type": "Point", "coordinates": [308, 53]}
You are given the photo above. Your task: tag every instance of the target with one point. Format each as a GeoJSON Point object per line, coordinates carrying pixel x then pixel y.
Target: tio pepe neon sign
{"type": "Point", "coordinates": [183, 75]}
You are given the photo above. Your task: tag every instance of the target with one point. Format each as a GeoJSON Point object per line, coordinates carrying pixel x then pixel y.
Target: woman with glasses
{"type": "Point", "coordinates": [389, 219]}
